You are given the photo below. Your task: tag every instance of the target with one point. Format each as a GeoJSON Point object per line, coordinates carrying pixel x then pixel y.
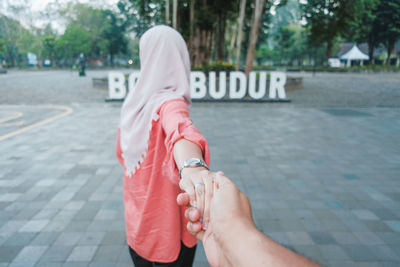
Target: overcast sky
{"type": "Point", "coordinates": [33, 12]}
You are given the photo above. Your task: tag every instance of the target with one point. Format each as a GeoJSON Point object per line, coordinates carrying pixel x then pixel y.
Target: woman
{"type": "Point", "coordinates": [156, 143]}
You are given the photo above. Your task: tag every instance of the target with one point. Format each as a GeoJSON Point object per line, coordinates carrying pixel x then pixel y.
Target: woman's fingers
{"type": "Point", "coordinates": [192, 214]}
{"type": "Point", "coordinates": [187, 185]}
{"type": "Point", "coordinates": [183, 199]}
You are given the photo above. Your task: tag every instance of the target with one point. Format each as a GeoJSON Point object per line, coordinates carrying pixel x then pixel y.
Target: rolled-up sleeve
{"type": "Point", "coordinates": [175, 121]}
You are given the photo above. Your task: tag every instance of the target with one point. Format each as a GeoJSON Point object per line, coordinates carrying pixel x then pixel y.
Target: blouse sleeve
{"type": "Point", "coordinates": [175, 121]}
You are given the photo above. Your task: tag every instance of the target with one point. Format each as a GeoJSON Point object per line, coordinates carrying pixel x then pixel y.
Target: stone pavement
{"type": "Point", "coordinates": [322, 180]}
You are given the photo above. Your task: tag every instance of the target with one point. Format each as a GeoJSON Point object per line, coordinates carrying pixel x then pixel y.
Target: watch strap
{"type": "Point", "coordinates": [198, 163]}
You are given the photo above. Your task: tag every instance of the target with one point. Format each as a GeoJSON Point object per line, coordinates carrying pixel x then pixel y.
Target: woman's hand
{"type": "Point", "coordinates": [199, 185]}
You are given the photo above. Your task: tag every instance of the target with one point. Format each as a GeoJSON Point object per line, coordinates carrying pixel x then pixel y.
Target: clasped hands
{"type": "Point", "coordinates": [220, 216]}
{"type": "Point", "coordinates": [217, 211]}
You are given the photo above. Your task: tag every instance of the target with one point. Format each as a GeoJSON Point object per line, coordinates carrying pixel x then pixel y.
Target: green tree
{"type": "Point", "coordinates": [106, 30]}
{"type": "Point", "coordinates": [74, 41]}
{"type": "Point", "coordinates": [9, 30]}
{"type": "Point", "coordinates": [2, 47]}
{"type": "Point", "coordinates": [141, 15]}
{"type": "Point", "coordinates": [49, 47]}
{"type": "Point", "coordinates": [362, 29]}
{"type": "Point", "coordinates": [284, 40]}
{"type": "Point", "coordinates": [328, 19]}
{"type": "Point", "coordinates": [387, 24]}
{"type": "Point", "coordinates": [114, 33]}
{"type": "Point", "coordinates": [264, 53]}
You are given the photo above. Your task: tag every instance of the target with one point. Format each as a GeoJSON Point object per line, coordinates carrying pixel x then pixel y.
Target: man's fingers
{"type": "Point", "coordinates": [194, 227]}
{"type": "Point", "coordinates": [183, 199]}
{"type": "Point", "coordinates": [221, 180]}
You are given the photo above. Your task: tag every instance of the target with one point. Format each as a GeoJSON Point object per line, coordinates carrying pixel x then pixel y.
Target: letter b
{"type": "Point", "coordinates": [116, 85]}
{"type": "Point", "coordinates": [197, 85]}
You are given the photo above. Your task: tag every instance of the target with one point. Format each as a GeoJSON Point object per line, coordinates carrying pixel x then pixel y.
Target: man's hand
{"type": "Point", "coordinates": [229, 207]}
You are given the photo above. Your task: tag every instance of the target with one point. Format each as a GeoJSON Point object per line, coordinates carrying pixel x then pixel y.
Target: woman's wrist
{"type": "Point", "coordinates": [190, 171]}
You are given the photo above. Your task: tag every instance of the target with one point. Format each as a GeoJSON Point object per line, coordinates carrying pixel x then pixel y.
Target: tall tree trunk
{"type": "Point", "coordinates": [371, 48]}
{"type": "Point", "coordinates": [53, 60]}
{"type": "Point", "coordinates": [220, 36]}
{"type": "Point", "coordinates": [202, 47]}
{"type": "Point", "coordinates": [390, 46]}
{"type": "Point", "coordinates": [11, 56]}
{"type": "Point", "coordinates": [255, 29]}
{"type": "Point", "coordinates": [329, 47]}
{"type": "Point", "coordinates": [240, 32]}
{"type": "Point", "coordinates": [191, 33]}
{"type": "Point", "coordinates": [232, 44]}
{"type": "Point", "coordinates": [167, 19]}
{"type": "Point", "coordinates": [202, 38]}
{"type": "Point", "coordinates": [175, 14]}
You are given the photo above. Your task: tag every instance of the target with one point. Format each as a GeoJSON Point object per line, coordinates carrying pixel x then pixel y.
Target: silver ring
{"type": "Point", "coordinates": [197, 185]}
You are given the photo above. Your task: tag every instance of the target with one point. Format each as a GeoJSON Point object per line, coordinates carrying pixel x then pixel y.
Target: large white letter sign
{"type": "Point", "coordinates": [116, 85]}
{"type": "Point", "coordinates": [234, 92]}
{"type": "Point", "coordinates": [132, 80]}
{"type": "Point", "coordinates": [197, 84]}
{"type": "Point", "coordinates": [262, 87]}
{"type": "Point", "coordinates": [212, 85]}
{"type": "Point", "coordinates": [277, 84]}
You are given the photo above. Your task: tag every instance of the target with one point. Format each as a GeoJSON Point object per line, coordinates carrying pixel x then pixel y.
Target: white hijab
{"type": "Point", "coordinates": [164, 75]}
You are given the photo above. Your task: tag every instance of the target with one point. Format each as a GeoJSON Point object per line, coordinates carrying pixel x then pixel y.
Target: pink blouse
{"type": "Point", "coordinates": [155, 225]}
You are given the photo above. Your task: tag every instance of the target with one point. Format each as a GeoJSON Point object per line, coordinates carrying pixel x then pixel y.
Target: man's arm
{"type": "Point", "coordinates": [232, 230]}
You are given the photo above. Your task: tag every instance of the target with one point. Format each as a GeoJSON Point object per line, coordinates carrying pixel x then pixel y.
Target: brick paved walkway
{"type": "Point", "coordinates": [324, 181]}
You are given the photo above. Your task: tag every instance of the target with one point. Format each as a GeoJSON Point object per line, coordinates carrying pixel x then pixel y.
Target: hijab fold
{"type": "Point", "coordinates": [164, 75]}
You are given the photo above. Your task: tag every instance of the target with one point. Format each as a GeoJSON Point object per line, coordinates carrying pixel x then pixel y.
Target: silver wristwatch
{"type": "Point", "coordinates": [192, 162]}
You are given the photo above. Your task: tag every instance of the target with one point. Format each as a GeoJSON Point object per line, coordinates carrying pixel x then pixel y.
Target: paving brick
{"type": "Point", "coordinates": [385, 253]}
{"type": "Point", "coordinates": [114, 238]}
{"type": "Point", "coordinates": [333, 252]}
{"type": "Point", "coordinates": [57, 254]}
{"type": "Point", "coordinates": [68, 239]}
{"type": "Point", "coordinates": [322, 238]}
{"type": "Point", "coordinates": [299, 238]}
{"type": "Point", "coordinates": [82, 253]}
{"type": "Point", "coordinates": [390, 238]}
{"type": "Point", "coordinates": [34, 226]}
{"type": "Point", "coordinates": [92, 238]}
{"type": "Point", "coordinates": [365, 214]}
{"type": "Point", "coordinates": [108, 253]}
{"type": "Point", "coordinates": [75, 264]}
{"type": "Point", "coordinates": [8, 253]}
{"type": "Point", "coordinates": [394, 225]}
{"type": "Point", "coordinates": [48, 264]}
{"type": "Point", "coordinates": [368, 238]}
{"type": "Point", "coordinates": [30, 254]}
{"type": "Point", "coordinates": [19, 239]}
{"type": "Point", "coordinates": [359, 252]}
{"type": "Point", "coordinates": [345, 238]}
{"type": "Point", "coordinates": [45, 238]}
{"type": "Point", "coordinates": [77, 226]}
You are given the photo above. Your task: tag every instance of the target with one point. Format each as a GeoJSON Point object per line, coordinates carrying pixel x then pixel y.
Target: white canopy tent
{"type": "Point", "coordinates": [354, 54]}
